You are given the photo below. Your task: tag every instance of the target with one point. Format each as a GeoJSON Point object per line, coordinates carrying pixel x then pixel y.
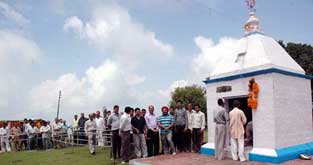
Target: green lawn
{"type": "Point", "coordinates": [68, 156]}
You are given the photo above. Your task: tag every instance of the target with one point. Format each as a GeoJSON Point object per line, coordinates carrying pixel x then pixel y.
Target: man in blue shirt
{"type": "Point", "coordinates": [166, 123]}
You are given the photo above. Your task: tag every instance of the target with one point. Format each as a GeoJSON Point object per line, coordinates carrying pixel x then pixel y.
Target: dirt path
{"type": "Point", "coordinates": [197, 159]}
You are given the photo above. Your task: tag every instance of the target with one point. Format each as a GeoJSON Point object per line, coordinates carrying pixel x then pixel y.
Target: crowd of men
{"type": "Point", "coordinates": [31, 135]}
{"type": "Point", "coordinates": [179, 129]}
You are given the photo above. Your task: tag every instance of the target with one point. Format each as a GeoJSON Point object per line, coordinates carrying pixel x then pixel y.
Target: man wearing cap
{"type": "Point", "coordinates": [166, 123]}
{"type": "Point", "coordinates": [90, 130]}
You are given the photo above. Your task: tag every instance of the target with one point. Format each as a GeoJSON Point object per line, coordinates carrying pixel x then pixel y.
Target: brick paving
{"type": "Point", "coordinates": [197, 159]}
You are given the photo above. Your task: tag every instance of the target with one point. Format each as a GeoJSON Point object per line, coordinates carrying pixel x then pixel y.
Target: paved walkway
{"type": "Point", "coordinates": [197, 159]}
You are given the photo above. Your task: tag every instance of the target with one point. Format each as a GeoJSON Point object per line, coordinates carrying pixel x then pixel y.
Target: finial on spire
{"type": "Point", "coordinates": [250, 4]}
{"type": "Point", "coordinates": [253, 24]}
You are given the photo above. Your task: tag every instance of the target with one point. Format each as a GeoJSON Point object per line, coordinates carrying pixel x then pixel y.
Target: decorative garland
{"type": "Point", "coordinates": [253, 94]}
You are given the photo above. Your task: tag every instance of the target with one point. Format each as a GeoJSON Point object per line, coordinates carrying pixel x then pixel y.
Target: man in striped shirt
{"type": "Point", "coordinates": [166, 123]}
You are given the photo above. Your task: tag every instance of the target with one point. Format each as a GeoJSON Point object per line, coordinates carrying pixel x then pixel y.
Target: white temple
{"type": "Point", "coordinates": [282, 121]}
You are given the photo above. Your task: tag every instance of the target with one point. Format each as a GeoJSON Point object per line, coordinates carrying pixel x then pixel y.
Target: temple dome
{"type": "Point", "coordinates": [256, 52]}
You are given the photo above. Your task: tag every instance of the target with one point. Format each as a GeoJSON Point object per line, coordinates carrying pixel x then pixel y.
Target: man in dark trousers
{"type": "Point", "coordinates": [82, 139]}
{"type": "Point", "coordinates": [188, 134]}
{"type": "Point", "coordinates": [153, 140]}
{"type": "Point", "coordinates": [139, 134]}
{"type": "Point", "coordinates": [181, 124]}
{"type": "Point", "coordinates": [124, 131]}
{"type": "Point", "coordinates": [114, 125]}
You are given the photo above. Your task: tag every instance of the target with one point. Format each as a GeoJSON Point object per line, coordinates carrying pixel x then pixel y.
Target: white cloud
{"type": "Point", "coordinates": [113, 82]}
{"type": "Point", "coordinates": [17, 53]}
{"type": "Point", "coordinates": [75, 24]}
{"type": "Point", "coordinates": [203, 63]}
{"type": "Point", "coordinates": [12, 14]}
{"type": "Point", "coordinates": [166, 94]}
{"type": "Point", "coordinates": [102, 85]}
{"type": "Point", "coordinates": [112, 28]}
{"type": "Point", "coordinates": [211, 54]}
{"type": "Point", "coordinates": [134, 79]}
{"type": "Point", "coordinates": [16, 50]}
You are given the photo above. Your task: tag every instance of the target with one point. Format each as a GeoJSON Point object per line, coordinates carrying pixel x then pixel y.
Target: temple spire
{"type": "Point", "coordinates": [252, 24]}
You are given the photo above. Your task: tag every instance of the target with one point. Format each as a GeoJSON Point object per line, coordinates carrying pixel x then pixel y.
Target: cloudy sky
{"type": "Point", "coordinates": [126, 52]}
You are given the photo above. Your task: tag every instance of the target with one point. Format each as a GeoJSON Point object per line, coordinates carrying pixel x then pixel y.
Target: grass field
{"type": "Point", "coordinates": [68, 156]}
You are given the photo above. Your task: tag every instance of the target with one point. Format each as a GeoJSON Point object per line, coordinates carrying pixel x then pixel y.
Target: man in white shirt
{"type": "Point", "coordinates": [114, 124]}
{"type": "Point", "coordinates": [100, 129]}
{"type": "Point", "coordinates": [56, 132]}
{"type": "Point", "coordinates": [188, 133]}
{"type": "Point", "coordinates": [75, 128]}
{"type": "Point", "coordinates": [197, 126]}
{"type": "Point", "coordinates": [153, 140]}
{"type": "Point", "coordinates": [45, 131]}
{"type": "Point", "coordinates": [70, 134]}
{"type": "Point", "coordinates": [125, 128]}
{"type": "Point", "coordinates": [90, 130]}
{"type": "Point", "coordinates": [75, 123]}
{"type": "Point", "coordinates": [4, 138]}
{"type": "Point", "coordinates": [32, 133]}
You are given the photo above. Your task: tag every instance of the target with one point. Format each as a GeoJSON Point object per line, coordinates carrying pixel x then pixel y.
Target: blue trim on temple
{"type": "Point", "coordinates": [260, 72]}
{"type": "Point", "coordinates": [284, 154]}
{"type": "Point", "coordinates": [252, 33]}
{"type": "Point", "coordinates": [207, 151]}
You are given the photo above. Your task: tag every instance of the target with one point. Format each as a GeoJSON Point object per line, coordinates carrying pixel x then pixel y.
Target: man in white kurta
{"type": "Point", "coordinates": [4, 138]}
{"type": "Point", "coordinates": [100, 128]}
{"type": "Point", "coordinates": [90, 130]}
{"type": "Point", "coordinates": [237, 122]}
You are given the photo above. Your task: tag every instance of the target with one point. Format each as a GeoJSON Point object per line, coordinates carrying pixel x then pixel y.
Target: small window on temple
{"type": "Point", "coordinates": [240, 57]}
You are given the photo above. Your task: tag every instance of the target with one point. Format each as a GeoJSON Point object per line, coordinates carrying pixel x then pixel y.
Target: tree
{"type": "Point", "coordinates": [303, 55]}
{"type": "Point", "coordinates": [190, 94]}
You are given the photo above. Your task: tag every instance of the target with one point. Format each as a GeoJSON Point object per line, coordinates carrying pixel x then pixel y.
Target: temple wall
{"type": "Point", "coordinates": [293, 110]}
{"type": "Point", "coordinates": [263, 118]}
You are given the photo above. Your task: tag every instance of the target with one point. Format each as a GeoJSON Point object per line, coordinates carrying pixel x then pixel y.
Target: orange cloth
{"type": "Point", "coordinates": [237, 122]}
